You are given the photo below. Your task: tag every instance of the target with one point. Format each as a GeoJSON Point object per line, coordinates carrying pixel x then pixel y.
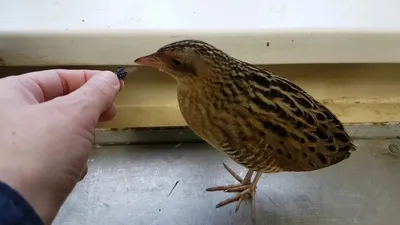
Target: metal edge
{"type": "Point", "coordinates": [163, 135]}
{"type": "Point", "coordinates": [154, 135]}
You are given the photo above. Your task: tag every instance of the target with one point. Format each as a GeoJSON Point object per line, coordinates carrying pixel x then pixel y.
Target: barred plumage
{"type": "Point", "coordinates": [262, 121]}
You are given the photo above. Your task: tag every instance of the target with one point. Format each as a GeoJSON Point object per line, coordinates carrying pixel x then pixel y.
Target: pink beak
{"type": "Point", "coordinates": [149, 60]}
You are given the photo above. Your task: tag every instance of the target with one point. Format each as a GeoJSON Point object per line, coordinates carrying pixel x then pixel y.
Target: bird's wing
{"type": "Point", "coordinates": [299, 128]}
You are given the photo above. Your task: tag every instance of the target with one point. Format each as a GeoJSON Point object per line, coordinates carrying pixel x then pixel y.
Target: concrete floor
{"type": "Point", "coordinates": [131, 185]}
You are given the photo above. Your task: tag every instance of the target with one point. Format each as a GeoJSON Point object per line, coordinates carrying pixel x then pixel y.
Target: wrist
{"type": "Point", "coordinates": [15, 209]}
{"type": "Point", "coordinates": [37, 198]}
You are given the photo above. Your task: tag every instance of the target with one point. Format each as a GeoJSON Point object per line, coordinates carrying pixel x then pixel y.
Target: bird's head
{"type": "Point", "coordinates": [184, 60]}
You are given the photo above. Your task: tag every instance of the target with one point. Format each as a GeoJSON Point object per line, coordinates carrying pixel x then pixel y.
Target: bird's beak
{"type": "Point", "coordinates": [149, 60]}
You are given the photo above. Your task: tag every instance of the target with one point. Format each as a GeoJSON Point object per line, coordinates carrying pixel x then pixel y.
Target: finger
{"type": "Point", "coordinates": [84, 172]}
{"type": "Point", "coordinates": [55, 83]}
{"type": "Point", "coordinates": [108, 115]}
{"type": "Point", "coordinates": [94, 97]}
{"type": "Point", "coordinates": [40, 86]}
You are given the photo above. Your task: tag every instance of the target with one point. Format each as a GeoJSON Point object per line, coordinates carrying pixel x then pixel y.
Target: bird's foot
{"type": "Point", "coordinates": [246, 189]}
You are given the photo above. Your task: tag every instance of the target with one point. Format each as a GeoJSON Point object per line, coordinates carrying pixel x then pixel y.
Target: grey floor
{"type": "Point", "coordinates": [131, 185]}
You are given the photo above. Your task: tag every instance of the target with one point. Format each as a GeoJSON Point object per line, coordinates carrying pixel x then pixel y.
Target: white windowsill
{"type": "Point", "coordinates": [103, 32]}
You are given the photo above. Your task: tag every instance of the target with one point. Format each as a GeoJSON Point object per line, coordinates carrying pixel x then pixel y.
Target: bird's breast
{"type": "Point", "coordinates": [199, 114]}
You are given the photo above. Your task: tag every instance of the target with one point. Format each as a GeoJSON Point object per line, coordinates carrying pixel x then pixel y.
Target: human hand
{"type": "Point", "coordinates": [47, 131]}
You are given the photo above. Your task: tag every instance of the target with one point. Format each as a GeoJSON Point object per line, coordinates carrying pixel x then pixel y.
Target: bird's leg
{"type": "Point", "coordinates": [245, 188]}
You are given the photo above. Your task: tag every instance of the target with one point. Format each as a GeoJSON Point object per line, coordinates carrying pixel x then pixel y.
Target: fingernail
{"type": "Point", "coordinates": [121, 85]}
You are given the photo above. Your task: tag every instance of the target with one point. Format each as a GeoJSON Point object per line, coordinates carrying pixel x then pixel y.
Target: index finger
{"type": "Point", "coordinates": [58, 82]}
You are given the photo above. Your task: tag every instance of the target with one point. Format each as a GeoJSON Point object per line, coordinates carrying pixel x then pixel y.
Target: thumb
{"type": "Point", "coordinates": [97, 94]}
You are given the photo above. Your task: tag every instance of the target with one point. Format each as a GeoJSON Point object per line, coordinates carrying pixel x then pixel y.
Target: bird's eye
{"type": "Point", "coordinates": [176, 63]}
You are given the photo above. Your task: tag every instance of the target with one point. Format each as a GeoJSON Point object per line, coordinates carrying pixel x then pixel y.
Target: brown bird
{"type": "Point", "coordinates": [264, 122]}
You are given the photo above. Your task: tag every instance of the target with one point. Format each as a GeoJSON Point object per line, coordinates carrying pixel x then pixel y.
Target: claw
{"type": "Point", "coordinates": [239, 202]}
{"type": "Point", "coordinates": [246, 188]}
{"type": "Point", "coordinates": [235, 175]}
{"type": "Point", "coordinates": [230, 200]}
{"type": "Point", "coordinates": [223, 188]}
{"type": "Point", "coordinates": [239, 188]}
